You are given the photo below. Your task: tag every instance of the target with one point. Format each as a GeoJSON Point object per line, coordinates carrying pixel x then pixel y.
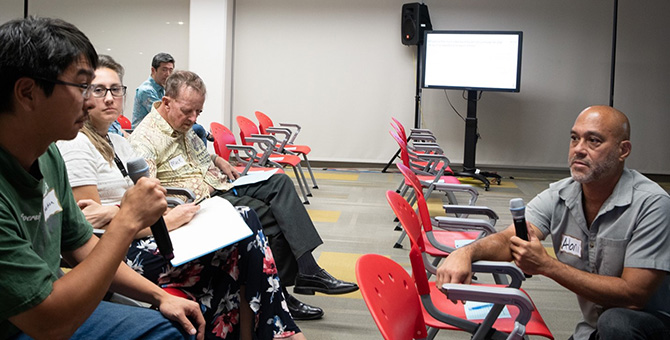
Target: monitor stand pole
{"type": "Point", "coordinates": [471, 135]}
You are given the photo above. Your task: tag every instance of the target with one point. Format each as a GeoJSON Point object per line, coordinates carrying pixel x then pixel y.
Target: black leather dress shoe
{"type": "Point", "coordinates": [322, 282]}
{"type": "Point", "coordinates": [302, 311]}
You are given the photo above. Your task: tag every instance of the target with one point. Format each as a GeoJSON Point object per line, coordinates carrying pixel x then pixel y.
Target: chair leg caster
{"type": "Point", "coordinates": [315, 187]}
{"type": "Point", "coordinates": [305, 202]}
{"type": "Point", "coordinates": [309, 195]}
{"type": "Point", "coordinates": [397, 246]}
{"type": "Point", "coordinates": [397, 228]}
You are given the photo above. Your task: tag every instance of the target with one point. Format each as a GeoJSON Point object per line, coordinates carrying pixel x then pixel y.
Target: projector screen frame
{"type": "Point", "coordinates": [475, 87]}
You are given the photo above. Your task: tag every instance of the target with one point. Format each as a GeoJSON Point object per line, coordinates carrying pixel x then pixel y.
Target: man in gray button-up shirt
{"type": "Point", "coordinates": [610, 230]}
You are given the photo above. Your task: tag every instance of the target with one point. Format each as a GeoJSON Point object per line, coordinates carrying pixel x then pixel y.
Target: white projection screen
{"type": "Point", "coordinates": [472, 60]}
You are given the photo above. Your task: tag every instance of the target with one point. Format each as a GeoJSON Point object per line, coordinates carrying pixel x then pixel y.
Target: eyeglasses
{"type": "Point", "coordinates": [85, 88]}
{"type": "Point", "coordinates": [99, 91]}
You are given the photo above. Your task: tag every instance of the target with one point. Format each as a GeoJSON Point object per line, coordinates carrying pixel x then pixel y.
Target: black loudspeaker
{"type": "Point", "coordinates": [415, 20]}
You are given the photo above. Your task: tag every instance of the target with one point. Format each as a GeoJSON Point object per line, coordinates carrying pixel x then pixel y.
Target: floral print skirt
{"type": "Point", "coordinates": [214, 281]}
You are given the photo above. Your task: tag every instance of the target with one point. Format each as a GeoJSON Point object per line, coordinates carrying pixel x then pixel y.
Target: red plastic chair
{"type": "Point", "coordinates": [524, 316]}
{"type": "Point", "coordinates": [287, 145]}
{"type": "Point", "coordinates": [225, 145]}
{"type": "Point", "coordinates": [391, 297]}
{"type": "Point", "coordinates": [125, 122]}
{"type": "Point", "coordinates": [450, 230]}
{"type": "Point", "coordinates": [249, 136]}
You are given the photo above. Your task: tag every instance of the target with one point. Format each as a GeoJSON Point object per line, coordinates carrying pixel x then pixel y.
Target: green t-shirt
{"type": "Point", "coordinates": [38, 219]}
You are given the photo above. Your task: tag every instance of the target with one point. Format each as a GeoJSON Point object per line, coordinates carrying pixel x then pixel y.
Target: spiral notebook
{"type": "Point", "coordinates": [216, 225]}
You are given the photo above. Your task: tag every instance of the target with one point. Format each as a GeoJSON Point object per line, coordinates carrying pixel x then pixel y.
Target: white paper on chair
{"type": "Point", "coordinates": [478, 310]}
{"type": "Point", "coordinates": [254, 177]}
{"type": "Point", "coordinates": [216, 225]}
{"type": "Point", "coordinates": [460, 243]}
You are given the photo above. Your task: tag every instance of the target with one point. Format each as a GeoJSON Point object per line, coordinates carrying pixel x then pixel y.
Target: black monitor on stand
{"type": "Point", "coordinates": [472, 61]}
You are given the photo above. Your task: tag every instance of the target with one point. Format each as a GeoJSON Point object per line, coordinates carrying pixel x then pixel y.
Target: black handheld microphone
{"type": "Point", "coordinates": [518, 210]}
{"type": "Point", "coordinates": [138, 168]}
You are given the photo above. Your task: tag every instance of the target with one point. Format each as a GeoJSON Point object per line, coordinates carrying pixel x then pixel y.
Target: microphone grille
{"type": "Point", "coordinates": [516, 203]}
{"type": "Point", "coordinates": [137, 168]}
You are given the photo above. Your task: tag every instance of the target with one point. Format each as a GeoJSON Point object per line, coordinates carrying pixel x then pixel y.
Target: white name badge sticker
{"type": "Point", "coordinates": [177, 162]}
{"type": "Point", "coordinates": [50, 204]}
{"type": "Point", "coordinates": [571, 245]}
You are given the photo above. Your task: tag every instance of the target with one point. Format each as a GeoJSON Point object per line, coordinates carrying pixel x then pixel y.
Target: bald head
{"type": "Point", "coordinates": [599, 145]}
{"type": "Point", "coordinates": [610, 119]}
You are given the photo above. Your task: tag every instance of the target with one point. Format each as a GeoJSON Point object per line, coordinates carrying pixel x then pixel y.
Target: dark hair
{"type": "Point", "coordinates": [181, 79]}
{"type": "Point", "coordinates": [39, 47]}
{"type": "Point", "coordinates": [105, 61]}
{"type": "Point", "coordinates": [161, 58]}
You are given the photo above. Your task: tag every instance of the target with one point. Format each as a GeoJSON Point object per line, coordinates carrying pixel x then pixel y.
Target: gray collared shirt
{"type": "Point", "coordinates": [632, 229]}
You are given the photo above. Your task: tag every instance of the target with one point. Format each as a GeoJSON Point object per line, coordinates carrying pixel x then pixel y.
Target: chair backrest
{"type": "Point", "coordinates": [247, 128]}
{"type": "Point", "coordinates": [404, 155]}
{"type": "Point", "coordinates": [408, 218]}
{"type": "Point", "coordinates": [413, 181]}
{"type": "Point", "coordinates": [399, 127]}
{"type": "Point", "coordinates": [264, 121]}
{"type": "Point", "coordinates": [125, 122]}
{"type": "Point", "coordinates": [391, 297]}
{"type": "Point", "coordinates": [222, 137]}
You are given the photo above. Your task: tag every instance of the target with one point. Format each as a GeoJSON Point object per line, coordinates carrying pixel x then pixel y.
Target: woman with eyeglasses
{"type": "Point", "coordinates": [237, 287]}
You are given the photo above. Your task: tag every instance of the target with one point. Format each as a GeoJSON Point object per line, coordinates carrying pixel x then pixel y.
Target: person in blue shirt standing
{"type": "Point", "coordinates": [153, 89]}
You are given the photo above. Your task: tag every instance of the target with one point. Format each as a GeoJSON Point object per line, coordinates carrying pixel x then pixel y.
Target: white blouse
{"type": "Point", "coordinates": [86, 166]}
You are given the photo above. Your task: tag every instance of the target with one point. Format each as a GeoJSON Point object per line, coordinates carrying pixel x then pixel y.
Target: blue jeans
{"type": "Point", "coordinates": [115, 321]}
{"type": "Point", "coordinates": [201, 132]}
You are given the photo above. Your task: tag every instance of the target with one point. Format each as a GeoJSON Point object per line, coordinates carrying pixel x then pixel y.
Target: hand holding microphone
{"type": "Point", "coordinates": [518, 210]}
{"type": "Point", "coordinates": [138, 168]}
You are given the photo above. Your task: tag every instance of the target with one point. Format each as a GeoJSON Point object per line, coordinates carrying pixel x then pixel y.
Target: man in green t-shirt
{"type": "Point", "coordinates": [46, 67]}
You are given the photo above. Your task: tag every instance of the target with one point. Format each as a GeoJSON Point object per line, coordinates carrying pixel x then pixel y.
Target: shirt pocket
{"type": "Point", "coordinates": [610, 256]}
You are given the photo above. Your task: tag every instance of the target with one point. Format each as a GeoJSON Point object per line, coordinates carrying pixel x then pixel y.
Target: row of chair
{"type": "Point", "coordinates": [405, 307]}
{"type": "Point", "coordinates": [264, 147]}
{"type": "Point", "coordinates": [276, 147]}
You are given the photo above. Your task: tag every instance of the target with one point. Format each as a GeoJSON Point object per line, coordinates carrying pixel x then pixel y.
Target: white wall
{"type": "Point", "coordinates": [339, 69]}
{"type": "Point", "coordinates": [132, 32]}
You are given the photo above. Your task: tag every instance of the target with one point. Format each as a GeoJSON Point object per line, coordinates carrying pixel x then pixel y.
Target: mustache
{"type": "Point", "coordinates": [581, 159]}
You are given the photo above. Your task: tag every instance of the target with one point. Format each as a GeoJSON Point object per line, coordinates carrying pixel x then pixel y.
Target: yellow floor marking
{"type": "Point", "coordinates": [341, 266]}
{"type": "Point", "coordinates": [329, 216]}
{"type": "Point", "coordinates": [330, 175]}
{"type": "Point", "coordinates": [435, 206]}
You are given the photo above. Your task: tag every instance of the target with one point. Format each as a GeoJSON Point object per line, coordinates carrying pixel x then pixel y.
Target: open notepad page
{"type": "Point", "coordinates": [216, 225]}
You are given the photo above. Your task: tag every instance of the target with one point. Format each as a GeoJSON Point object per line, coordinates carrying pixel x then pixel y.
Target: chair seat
{"type": "Point", "coordinates": [447, 238]}
{"type": "Point", "coordinates": [438, 166]}
{"type": "Point", "coordinates": [443, 179]}
{"type": "Point", "coordinates": [291, 160]}
{"type": "Point", "coordinates": [303, 149]}
{"type": "Point", "coordinates": [535, 326]}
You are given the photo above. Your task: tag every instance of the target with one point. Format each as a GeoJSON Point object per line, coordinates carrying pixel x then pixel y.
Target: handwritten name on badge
{"type": "Point", "coordinates": [571, 245]}
{"type": "Point", "coordinates": [50, 204]}
{"type": "Point", "coordinates": [177, 162]}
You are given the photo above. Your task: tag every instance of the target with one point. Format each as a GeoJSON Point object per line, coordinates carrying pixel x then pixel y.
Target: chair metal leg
{"type": "Point", "coordinates": [311, 174]}
{"type": "Point", "coordinates": [432, 332]}
{"type": "Point", "coordinates": [398, 243]}
{"type": "Point", "coordinates": [304, 180]}
{"type": "Point", "coordinates": [302, 189]}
